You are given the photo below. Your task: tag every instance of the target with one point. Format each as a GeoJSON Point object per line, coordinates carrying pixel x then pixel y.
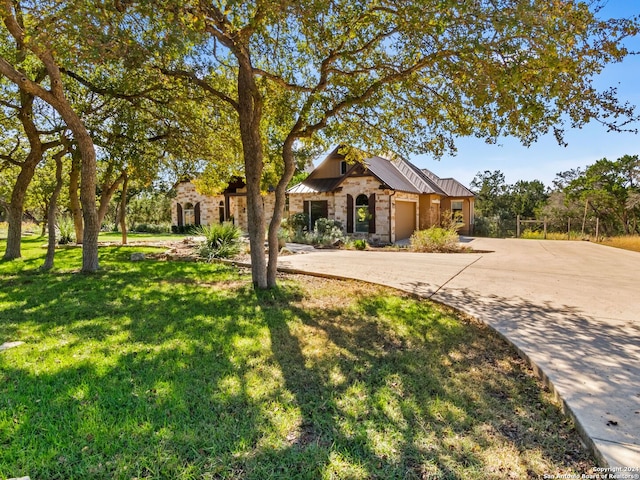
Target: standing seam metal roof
{"type": "Point", "coordinates": [390, 175]}
{"type": "Point", "coordinates": [398, 174]}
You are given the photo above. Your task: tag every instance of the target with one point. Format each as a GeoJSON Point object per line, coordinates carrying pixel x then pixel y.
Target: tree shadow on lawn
{"type": "Point", "coordinates": [171, 370]}
{"type": "Point", "coordinates": [387, 394]}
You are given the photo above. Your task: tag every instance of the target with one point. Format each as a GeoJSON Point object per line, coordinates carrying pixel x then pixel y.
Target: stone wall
{"type": "Point", "coordinates": [366, 185]}
{"type": "Point", "coordinates": [337, 205]}
{"type": "Point", "coordinates": [186, 194]}
{"type": "Point", "coordinates": [210, 205]}
{"type": "Point", "coordinates": [296, 202]}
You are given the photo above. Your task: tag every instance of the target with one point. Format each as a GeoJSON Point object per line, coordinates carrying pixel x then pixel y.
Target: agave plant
{"type": "Point", "coordinates": [222, 240]}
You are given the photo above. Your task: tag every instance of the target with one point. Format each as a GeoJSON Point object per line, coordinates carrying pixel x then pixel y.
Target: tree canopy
{"type": "Point", "coordinates": [282, 77]}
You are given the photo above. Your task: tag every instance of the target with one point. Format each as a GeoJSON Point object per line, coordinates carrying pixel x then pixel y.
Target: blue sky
{"type": "Point", "coordinates": [545, 158]}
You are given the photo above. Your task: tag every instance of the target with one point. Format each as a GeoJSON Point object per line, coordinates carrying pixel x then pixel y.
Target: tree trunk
{"type": "Point", "coordinates": [88, 198]}
{"type": "Point", "coordinates": [51, 215]}
{"type": "Point", "coordinates": [27, 171]}
{"type": "Point", "coordinates": [88, 173]}
{"type": "Point", "coordinates": [45, 223]}
{"type": "Point", "coordinates": [250, 115]}
{"type": "Point", "coordinates": [15, 208]}
{"type": "Point", "coordinates": [14, 232]}
{"type": "Point", "coordinates": [54, 96]}
{"type": "Point", "coordinates": [123, 209]}
{"type": "Point", "coordinates": [74, 199]}
{"type": "Point", "coordinates": [107, 195]}
{"type": "Point", "coordinates": [278, 210]}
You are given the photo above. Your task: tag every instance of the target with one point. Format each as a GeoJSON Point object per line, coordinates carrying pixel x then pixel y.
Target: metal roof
{"type": "Point", "coordinates": [389, 174]}
{"type": "Point", "coordinates": [398, 174]}
{"type": "Point", "coordinates": [454, 188]}
{"type": "Point", "coordinates": [424, 183]}
{"type": "Point", "coordinates": [316, 185]}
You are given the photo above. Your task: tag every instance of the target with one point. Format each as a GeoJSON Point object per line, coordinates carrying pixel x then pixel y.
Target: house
{"type": "Point", "coordinates": [191, 208]}
{"type": "Point", "coordinates": [379, 199]}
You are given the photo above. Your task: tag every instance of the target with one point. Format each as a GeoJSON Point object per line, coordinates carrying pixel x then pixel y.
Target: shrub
{"type": "Point", "coordinates": [360, 244]}
{"type": "Point", "coordinates": [297, 222]}
{"type": "Point", "coordinates": [499, 226]}
{"type": "Point", "coordinates": [66, 230]}
{"type": "Point", "coordinates": [188, 229]}
{"type": "Point", "coordinates": [539, 235]}
{"type": "Point", "coordinates": [453, 221]}
{"type": "Point", "coordinates": [326, 232]}
{"type": "Point", "coordinates": [325, 226]}
{"type": "Point", "coordinates": [435, 239]}
{"type": "Point", "coordinates": [222, 240]}
{"type": "Point", "coordinates": [151, 228]}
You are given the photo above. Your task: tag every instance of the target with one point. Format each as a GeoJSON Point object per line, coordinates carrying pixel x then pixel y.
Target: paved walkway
{"type": "Point", "coordinates": [572, 308]}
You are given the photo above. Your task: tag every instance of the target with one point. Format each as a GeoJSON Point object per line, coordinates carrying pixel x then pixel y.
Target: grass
{"type": "Point", "coordinates": [539, 235]}
{"type": "Point", "coordinates": [141, 237]}
{"type": "Point", "coordinates": [629, 242]}
{"type": "Point", "coordinates": [181, 370]}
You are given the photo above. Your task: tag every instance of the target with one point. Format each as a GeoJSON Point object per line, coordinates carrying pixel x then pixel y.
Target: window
{"type": "Point", "coordinates": [316, 209]}
{"type": "Point", "coordinates": [189, 214]}
{"type": "Point", "coordinates": [362, 214]}
{"type": "Point", "coordinates": [456, 211]}
{"type": "Point", "coordinates": [343, 167]}
{"type": "Point", "coordinates": [221, 211]}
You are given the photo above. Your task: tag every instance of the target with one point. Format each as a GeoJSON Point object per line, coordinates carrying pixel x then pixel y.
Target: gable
{"type": "Point", "coordinates": [330, 167]}
{"type": "Point", "coordinates": [398, 174]}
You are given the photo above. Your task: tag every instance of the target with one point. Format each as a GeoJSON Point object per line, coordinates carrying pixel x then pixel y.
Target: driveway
{"type": "Point", "coordinates": [571, 308]}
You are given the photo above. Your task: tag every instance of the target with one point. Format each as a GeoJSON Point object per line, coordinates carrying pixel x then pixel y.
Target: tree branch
{"type": "Point", "coordinates": [281, 82]}
{"type": "Point", "coordinates": [110, 92]}
{"type": "Point", "coordinates": [193, 78]}
{"type": "Point", "coordinates": [358, 99]}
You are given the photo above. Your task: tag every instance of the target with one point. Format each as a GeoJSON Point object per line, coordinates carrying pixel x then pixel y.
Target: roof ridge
{"type": "Point", "coordinates": [432, 186]}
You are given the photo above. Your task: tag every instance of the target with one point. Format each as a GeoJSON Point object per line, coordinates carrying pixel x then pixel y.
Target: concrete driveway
{"type": "Point", "coordinates": [571, 308]}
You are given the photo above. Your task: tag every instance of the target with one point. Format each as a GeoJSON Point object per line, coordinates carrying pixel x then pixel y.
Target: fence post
{"type": "Point", "coordinates": [597, 227]}
{"type": "Point", "coordinates": [545, 227]}
{"type": "Point", "coordinates": [517, 226]}
{"type": "Point", "coordinates": [569, 229]}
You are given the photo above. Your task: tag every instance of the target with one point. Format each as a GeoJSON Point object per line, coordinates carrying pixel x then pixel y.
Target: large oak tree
{"type": "Point", "coordinates": [44, 47]}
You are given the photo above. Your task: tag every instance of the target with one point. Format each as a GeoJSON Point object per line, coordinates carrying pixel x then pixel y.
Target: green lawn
{"type": "Point", "coordinates": [142, 237]}
{"type": "Point", "coordinates": [181, 370]}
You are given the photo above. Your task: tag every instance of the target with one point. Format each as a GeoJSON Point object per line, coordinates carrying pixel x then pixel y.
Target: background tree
{"type": "Point", "coordinates": [44, 184]}
{"type": "Point", "coordinates": [608, 188]}
{"type": "Point", "coordinates": [493, 208]}
{"type": "Point", "coordinates": [24, 144]}
{"type": "Point", "coordinates": [498, 204]}
{"type": "Point", "coordinates": [491, 191]}
{"type": "Point", "coordinates": [527, 198]}
{"type": "Point", "coordinates": [52, 207]}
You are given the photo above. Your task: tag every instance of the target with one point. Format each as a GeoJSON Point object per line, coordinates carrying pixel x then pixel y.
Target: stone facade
{"type": "Point", "coordinates": [200, 209]}
{"type": "Point", "coordinates": [379, 200]}
{"type": "Point", "coordinates": [385, 206]}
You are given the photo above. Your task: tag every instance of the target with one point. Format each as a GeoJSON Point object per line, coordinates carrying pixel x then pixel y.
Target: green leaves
{"type": "Point", "coordinates": [610, 189]}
